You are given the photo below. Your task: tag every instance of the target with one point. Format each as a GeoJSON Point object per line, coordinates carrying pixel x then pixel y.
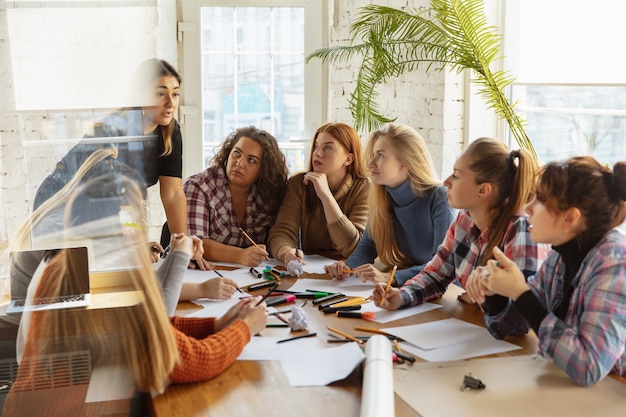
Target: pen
{"type": "Point", "coordinates": [333, 310]}
{"type": "Point", "coordinates": [165, 251]}
{"type": "Point", "coordinates": [282, 318]}
{"type": "Point", "coordinates": [367, 315]}
{"type": "Point", "coordinates": [251, 241]}
{"type": "Point", "coordinates": [330, 303]}
{"type": "Point", "coordinates": [393, 272]}
{"type": "Point", "coordinates": [268, 293]}
{"type": "Point", "coordinates": [302, 336]}
{"type": "Point", "coordinates": [327, 298]}
{"type": "Point", "coordinates": [276, 325]}
{"type": "Point", "coordinates": [346, 335]}
{"type": "Point", "coordinates": [218, 273]}
{"type": "Point", "coordinates": [276, 271]}
{"type": "Point", "coordinates": [261, 285]}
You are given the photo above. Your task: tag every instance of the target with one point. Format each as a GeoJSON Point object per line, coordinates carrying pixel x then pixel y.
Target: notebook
{"type": "Point", "coordinates": [79, 297]}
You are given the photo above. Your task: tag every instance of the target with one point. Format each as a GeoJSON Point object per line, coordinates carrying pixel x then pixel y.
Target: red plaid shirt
{"type": "Point", "coordinates": [210, 212]}
{"type": "Point", "coordinates": [461, 252]}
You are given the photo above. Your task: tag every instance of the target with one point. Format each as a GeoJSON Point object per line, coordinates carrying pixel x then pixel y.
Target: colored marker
{"type": "Point", "coordinates": [327, 298]}
{"type": "Point", "coordinates": [280, 300]}
{"type": "Point", "coordinates": [256, 273]}
{"type": "Point", "coordinates": [330, 303]}
{"type": "Point", "coordinates": [367, 315]}
{"type": "Point", "coordinates": [333, 310]}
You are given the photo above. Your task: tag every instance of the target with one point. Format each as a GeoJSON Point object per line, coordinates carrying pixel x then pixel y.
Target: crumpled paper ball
{"type": "Point", "coordinates": [298, 319]}
{"type": "Point", "coordinates": [295, 268]}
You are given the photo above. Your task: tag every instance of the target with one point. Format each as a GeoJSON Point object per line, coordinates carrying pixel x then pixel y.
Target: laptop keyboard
{"type": "Point", "coordinates": [52, 300]}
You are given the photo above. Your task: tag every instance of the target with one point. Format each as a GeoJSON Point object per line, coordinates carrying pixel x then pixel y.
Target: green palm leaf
{"type": "Point", "coordinates": [451, 35]}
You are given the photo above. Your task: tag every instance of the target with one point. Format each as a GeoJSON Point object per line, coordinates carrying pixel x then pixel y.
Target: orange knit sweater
{"type": "Point", "coordinates": [204, 353]}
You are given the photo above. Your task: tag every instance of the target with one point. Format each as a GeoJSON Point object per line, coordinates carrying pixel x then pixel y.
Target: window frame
{"type": "Point", "coordinates": [191, 111]}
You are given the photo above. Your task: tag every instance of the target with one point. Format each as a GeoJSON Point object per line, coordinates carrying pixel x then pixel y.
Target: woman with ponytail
{"type": "Point", "coordinates": [490, 186]}
{"type": "Point", "coordinates": [576, 303]}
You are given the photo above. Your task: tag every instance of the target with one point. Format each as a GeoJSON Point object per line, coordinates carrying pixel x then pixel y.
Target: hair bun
{"type": "Point", "coordinates": [617, 188]}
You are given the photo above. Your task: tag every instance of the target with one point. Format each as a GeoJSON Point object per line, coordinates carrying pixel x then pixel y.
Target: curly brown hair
{"type": "Point", "coordinates": [272, 181]}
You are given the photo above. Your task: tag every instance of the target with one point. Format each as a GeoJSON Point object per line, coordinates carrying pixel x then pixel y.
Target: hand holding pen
{"type": "Point", "coordinates": [290, 254]}
{"type": "Point", "coordinates": [338, 270]}
{"type": "Point", "coordinates": [385, 296]}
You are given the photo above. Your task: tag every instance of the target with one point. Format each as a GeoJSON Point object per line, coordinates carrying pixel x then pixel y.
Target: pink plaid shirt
{"type": "Point", "coordinates": [210, 212]}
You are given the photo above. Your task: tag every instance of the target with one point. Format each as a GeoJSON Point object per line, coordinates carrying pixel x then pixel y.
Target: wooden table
{"type": "Point", "coordinates": [260, 388]}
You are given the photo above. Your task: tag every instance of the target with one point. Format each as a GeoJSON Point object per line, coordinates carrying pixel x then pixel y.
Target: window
{"type": "Point", "coordinates": [570, 78]}
{"type": "Point", "coordinates": [247, 66]}
{"type": "Point", "coordinates": [81, 54]}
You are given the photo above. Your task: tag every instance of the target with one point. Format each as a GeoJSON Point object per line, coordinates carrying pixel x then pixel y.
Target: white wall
{"type": "Point", "coordinates": [432, 103]}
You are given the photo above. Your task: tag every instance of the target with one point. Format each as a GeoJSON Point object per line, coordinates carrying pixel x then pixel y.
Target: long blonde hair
{"type": "Point", "coordinates": [138, 336]}
{"type": "Point", "coordinates": [410, 149]}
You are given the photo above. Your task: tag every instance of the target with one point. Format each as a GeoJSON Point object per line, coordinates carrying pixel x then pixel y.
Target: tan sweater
{"type": "Point", "coordinates": [336, 240]}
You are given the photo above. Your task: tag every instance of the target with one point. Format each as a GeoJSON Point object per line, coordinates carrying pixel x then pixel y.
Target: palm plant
{"type": "Point", "coordinates": [451, 34]}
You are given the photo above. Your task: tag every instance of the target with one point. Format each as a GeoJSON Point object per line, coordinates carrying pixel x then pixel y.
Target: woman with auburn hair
{"type": "Point", "coordinates": [137, 338]}
{"type": "Point", "coordinates": [490, 185]}
{"type": "Point", "coordinates": [240, 192]}
{"type": "Point", "coordinates": [325, 209]}
{"type": "Point", "coordinates": [576, 303]}
{"type": "Point", "coordinates": [409, 211]}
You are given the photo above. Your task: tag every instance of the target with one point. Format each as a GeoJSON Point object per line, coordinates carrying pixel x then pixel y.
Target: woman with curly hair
{"type": "Point", "coordinates": [240, 192]}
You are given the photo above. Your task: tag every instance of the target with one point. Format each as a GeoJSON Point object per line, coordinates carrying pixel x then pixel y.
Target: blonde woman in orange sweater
{"type": "Point", "coordinates": [149, 348]}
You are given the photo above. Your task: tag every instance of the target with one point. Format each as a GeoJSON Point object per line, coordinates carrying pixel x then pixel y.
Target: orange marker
{"type": "Point", "coordinates": [367, 315]}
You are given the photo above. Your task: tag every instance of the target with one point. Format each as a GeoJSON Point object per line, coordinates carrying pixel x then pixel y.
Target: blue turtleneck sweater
{"type": "Point", "coordinates": [420, 224]}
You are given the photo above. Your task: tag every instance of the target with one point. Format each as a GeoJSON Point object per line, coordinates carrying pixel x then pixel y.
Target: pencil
{"type": "Point", "coordinates": [352, 302]}
{"type": "Point", "coordinates": [302, 336]}
{"type": "Point", "coordinates": [393, 272]}
{"type": "Point", "coordinates": [251, 241]}
{"type": "Point", "coordinates": [370, 330]}
{"type": "Point", "coordinates": [346, 335]}
{"type": "Point", "coordinates": [268, 293]}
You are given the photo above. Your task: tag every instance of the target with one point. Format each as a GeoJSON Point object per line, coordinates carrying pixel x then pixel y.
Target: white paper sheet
{"type": "Point", "coordinates": [242, 276]}
{"type": "Point", "coordinates": [439, 333]}
{"type": "Point", "coordinates": [384, 316]}
{"type": "Point", "coordinates": [317, 367]}
{"type": "Point", "coordinates": [314, 264]}
{"type": "Point", "coordinates": [486, 345]}
{"type": "Point", "coordinates": [266, 348]}
{"type": "Point", "coordinates": [517, 386]}
{"type": "Point", "coordinates": [354, 288]}
{"type": "Point", "coordinates": [213, 308]}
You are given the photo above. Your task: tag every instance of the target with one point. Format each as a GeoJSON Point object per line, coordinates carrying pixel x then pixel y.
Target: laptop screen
{"type": "Point", "coordinates": [26, 269]}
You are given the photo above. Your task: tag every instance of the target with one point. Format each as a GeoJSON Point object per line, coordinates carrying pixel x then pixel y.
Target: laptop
{"type": "Point", "coordinates": [23, 272]}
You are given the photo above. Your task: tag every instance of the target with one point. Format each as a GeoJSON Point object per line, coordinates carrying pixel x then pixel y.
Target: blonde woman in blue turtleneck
{"type": "Point", "coordinates": [409, 211]}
